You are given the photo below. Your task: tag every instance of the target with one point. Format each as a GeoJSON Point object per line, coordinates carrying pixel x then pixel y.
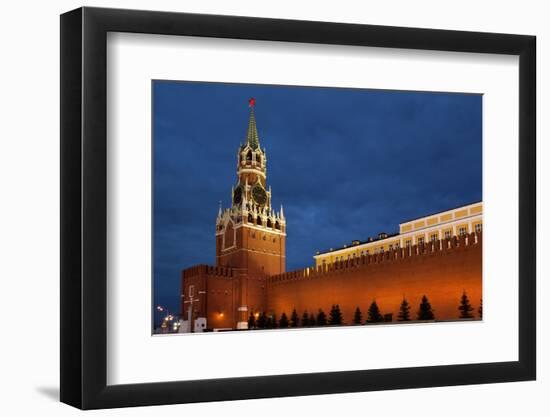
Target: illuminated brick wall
{"type": "Point", "coordinates": [441, 270]}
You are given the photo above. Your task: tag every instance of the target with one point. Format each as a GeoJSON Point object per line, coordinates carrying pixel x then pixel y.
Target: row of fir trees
{"type": "Point", "coordinates": [425, 312]}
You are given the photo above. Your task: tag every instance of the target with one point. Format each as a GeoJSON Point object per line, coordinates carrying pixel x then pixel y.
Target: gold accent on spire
{"type": "Point", "coordinates": [252, 137]}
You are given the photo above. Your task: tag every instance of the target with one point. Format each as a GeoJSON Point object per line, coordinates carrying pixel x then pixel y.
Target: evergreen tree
{"type": "Point", "coordinates": [404, 311]}
{"type": "Point", "coordinates": [251, 321]}
{"type": "Point", "coordinates": [312, 320]}
{"type": "Point", "coordinates": [294, 320]}
{"type": "Point", "coordinates": [358, 316]}
{"type": "Point", "coordinates": [321, 318]}
{"type": "Point", "coordinates": [465, 307]}
{"type": "Point", "coordinates": [374, 315]}
{"type": "Point", "coordinates": [480, 309]}
{"type": "Point", "coordinates": [335, 316]}
{"type": "Point", "coordinates": [305, 319]}
{"type": "Point", "coordinates": [283, 321]}
{"type": "Point", "coordinates": [425, 311]}
{"type": "Point", "coordinates": [262, 321]}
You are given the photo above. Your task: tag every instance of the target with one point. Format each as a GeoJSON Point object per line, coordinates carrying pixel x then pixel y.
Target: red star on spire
{"type": "Point", "coordinates": [251, 102]}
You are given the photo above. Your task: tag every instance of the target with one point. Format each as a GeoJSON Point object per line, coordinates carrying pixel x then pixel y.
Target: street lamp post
{"type": "Point", "coordinates": [190, 311]}
{"type": "Point", "coordinates": [168, 318]}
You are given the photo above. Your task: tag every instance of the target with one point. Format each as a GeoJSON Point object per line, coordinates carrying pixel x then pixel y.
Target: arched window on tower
{"type": "Point", "coordinates": [258, 158]}
{"type": "Point", "coordinates": [250, 219]}
{"type": "Point", "coordinates": [259, 221]}
{"type": "Point", "coordinates": [249, 156]}
{"type": "Point", "coordinates": [269, 223]}
{"type": "Point", "coordinates": [277, 226]}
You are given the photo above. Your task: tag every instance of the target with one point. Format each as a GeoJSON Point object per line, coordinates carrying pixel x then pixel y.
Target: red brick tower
{"type": "Point", "coordinates": [250, 235]}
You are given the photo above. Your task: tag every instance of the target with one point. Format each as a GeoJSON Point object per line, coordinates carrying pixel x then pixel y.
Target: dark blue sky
{"type": "Point", "coordinates": [345, 163]}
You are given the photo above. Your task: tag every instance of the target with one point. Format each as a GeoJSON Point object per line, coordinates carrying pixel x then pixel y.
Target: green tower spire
{"type": "Point", "coordinates": [252, 134]}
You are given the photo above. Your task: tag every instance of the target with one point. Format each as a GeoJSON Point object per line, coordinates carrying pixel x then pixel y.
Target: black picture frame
{"type": "Point", "coordinates": [84, 207]}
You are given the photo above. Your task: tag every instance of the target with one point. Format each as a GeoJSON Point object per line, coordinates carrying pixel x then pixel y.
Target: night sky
{"type": "Point", "coordinates": [345, 163]}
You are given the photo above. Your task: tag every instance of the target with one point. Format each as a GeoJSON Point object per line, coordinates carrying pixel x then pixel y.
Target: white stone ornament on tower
{"type": "Point", "coordinates": [254, 194]}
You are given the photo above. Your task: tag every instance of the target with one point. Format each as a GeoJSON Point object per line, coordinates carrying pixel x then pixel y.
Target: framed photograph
{"type": "Point", "coordinates": [256, 208]}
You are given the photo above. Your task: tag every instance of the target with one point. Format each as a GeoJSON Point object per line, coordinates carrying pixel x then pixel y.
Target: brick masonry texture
{"type": "Point", "coordinates": [441, 270]}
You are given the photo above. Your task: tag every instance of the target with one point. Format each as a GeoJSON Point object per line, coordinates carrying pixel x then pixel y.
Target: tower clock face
{"type": "Point", "coordinates": [237, 195]}
{"type": "Point", "coordinates": [259, 195]}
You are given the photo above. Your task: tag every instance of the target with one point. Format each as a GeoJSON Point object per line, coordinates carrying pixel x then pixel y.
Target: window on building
{"type": "Point", "coordinates": [447, 234]}
{"type": "Point", "coordinates": [258, 158]}
{"type": "Point", "coordinates": [191, 291]}
{"type": "Point", "coordinates": [462, 231]}
{"type": "Point", "coordinates": [250, 219]}
{"type": "Point", "coordinates": [259, 221]}
{"type": "Point", "coordinates": [268, 222]}
{"type": "Point", "coordinates": [382, 249]}
{"type": "Point", "coordinates": [367, 252]}
{"type": "Point", "coordinates": [277, 226]}
{"type": "Point", "coordinates": [478, 228]}
{"type": "Point", "coordinates": [433, 237]}
{"type": "Point", "coordinates": [420, 241]}
{"type": "Point", "coordinates": [408, 243]}
{"type": "Point", "coordinates": [249, 156]}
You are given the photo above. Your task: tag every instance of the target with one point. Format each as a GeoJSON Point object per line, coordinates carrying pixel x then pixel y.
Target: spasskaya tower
{"type": "Point", "coordinates": [251, 234]}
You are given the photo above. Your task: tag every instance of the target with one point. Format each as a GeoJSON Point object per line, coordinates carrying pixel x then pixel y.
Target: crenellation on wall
{"type": "Point", "coordinates": [207, 270]}
{"type": "Point", "coordinates": [437, 247]}
{"type": "Point", "coordinates": [441, 270]}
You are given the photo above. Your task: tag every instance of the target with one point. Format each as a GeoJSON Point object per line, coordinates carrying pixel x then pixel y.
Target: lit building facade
{"type": "Point", "coordinates": [456, 222]}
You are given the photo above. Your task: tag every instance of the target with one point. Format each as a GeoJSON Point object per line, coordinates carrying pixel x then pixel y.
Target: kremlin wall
{"type": "Point", "coordinates": [441, 270]}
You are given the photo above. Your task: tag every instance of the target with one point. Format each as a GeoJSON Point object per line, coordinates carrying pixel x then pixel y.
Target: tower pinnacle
{"type": "Point", "coordinates": [252, 134]}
